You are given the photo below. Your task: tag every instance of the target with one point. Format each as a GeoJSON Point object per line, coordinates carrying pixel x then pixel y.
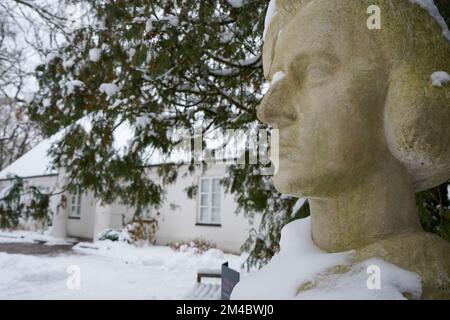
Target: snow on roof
{"type": "Point", "coordinates": [35, 162]}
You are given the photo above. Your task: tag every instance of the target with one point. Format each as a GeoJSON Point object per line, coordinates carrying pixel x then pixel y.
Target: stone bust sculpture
{"type": "Point", "coordinates": [361, 126]}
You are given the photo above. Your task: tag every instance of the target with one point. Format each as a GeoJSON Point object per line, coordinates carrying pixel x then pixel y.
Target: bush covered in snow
{"type": "Point", "coordinates": [199, 245]}
{"type": "Point", "coordinates": [139, 232]}
{"type": "Point", "coordinates": [114, 235]}
{"type": "Point", "coordinates": [142, 231]}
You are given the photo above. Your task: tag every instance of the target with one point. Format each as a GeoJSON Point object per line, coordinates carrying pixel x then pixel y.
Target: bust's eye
{"type": "Point", "coordinates": [317, 74]}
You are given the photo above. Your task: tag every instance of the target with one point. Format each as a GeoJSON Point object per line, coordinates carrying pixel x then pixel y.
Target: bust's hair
{"type": "Point", "coordinates": [417, 114]}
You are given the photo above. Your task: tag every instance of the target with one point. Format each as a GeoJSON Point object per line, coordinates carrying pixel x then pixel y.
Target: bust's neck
{"type": "Point", "coordinates": [381, 206]}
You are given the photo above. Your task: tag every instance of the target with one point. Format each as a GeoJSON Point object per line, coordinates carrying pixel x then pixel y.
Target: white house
{"type": "Point", "coordinates": [210, 216]}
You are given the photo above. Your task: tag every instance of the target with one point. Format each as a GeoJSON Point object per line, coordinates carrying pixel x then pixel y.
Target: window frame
{"type": "Point", "coordinates": [76, 203]}
{"type": "Point", "coordinates": [150, 210]}
{"type": "Point", "coordinates": [209, 206]}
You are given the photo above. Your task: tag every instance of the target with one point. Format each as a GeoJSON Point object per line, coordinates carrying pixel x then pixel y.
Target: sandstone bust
{"type": "Point", "coordinates": [362, 127]}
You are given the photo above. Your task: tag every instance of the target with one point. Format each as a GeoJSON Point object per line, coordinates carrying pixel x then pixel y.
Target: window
{"type": "Point", "coordinates": [209, 208]}
{"type": "Point", "coordinates": [75, 209]}
{"type": "Point", "coordinates": [147, 213]}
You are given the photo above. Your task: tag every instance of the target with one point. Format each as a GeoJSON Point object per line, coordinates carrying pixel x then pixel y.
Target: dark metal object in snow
{"type": "Point", "coordinates": [230, 279]}
{"type": "Point", "coordinates": [201, 275]}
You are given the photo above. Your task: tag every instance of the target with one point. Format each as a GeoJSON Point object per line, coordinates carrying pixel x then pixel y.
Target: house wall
{"type": "Point", "coordinates": [181, 224]}
{"type": "Point", "coordinates": [82, 227]}
{"type": "Point", "coordinates": [50, 182]}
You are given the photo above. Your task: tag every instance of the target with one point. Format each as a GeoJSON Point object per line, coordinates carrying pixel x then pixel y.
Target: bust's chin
{"type": "Point", "coordinates": [280, 185]}
{"type": "Point", "coordinates": [301, 185]}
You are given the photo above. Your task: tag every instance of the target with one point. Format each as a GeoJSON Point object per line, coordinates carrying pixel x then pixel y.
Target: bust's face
{"type": "Point", "coordinates": [328, 107]}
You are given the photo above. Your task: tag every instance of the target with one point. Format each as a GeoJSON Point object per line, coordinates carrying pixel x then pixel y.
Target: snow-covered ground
{"type": "Point", "coordinates": [25, 236]}
{"type": "Point", "coordinates": [112, 271]}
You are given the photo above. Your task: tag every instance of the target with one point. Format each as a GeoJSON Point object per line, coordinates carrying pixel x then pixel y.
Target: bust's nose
{"type": "Point", "coordinates": [266, 113]}
{"type": "Point", "coordinates": [276, 109]}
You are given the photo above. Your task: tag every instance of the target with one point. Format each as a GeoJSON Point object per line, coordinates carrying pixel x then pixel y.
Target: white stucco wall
{"type": "Point", "coordinates": [42, 181]}
{"type": "Point", "coordinates": [82, 227]}
{"type": "Point", "coordinates": [180, 224]}
{"type": "Point", "coordinates": [175, 225]}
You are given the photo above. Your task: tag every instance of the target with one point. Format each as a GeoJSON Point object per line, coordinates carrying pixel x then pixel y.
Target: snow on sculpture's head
{"type": "Point", "coordinates": [345, 97]}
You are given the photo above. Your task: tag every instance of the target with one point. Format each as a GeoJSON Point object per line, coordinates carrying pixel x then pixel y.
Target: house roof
{"type": "Point", "coordinates": [37, 162]}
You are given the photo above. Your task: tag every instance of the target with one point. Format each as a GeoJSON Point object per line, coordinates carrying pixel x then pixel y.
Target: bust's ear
{"type": "Point", "coordinates": [417, 130]}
